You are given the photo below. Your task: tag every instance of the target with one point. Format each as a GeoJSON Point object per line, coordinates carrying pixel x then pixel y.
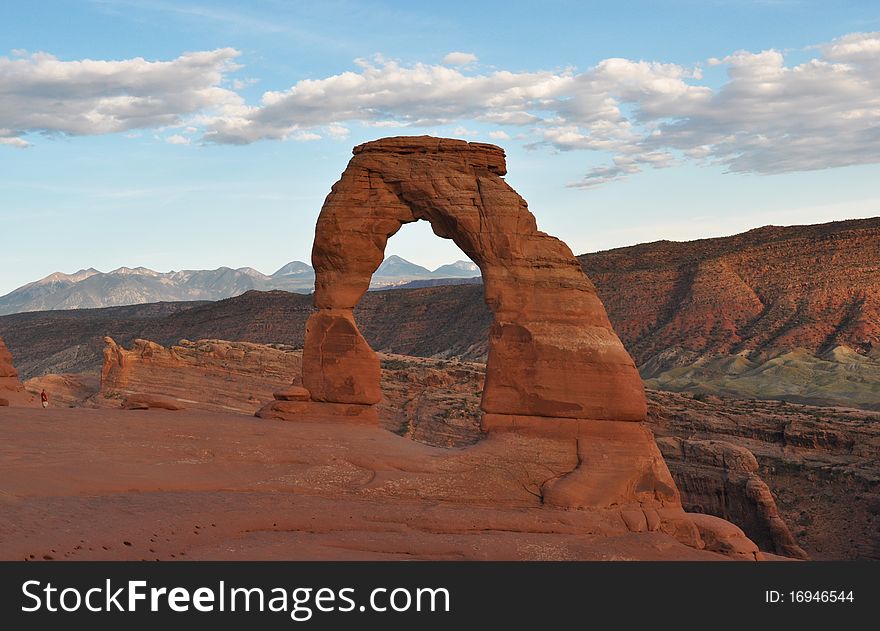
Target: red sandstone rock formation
{"type": "Point", "coordinates": [65, 390]}
{"type": "Point", "coordinates": [552, 351]}
{"type": "Point", "coordinates": [819, 463]}
{"type": "Point", "coordinates": [436, 402]}
{"type": "Point", "coordinates": [208, 374]}
{"type": "Point", "coordinates": [111, 484]}
{"type": "Point", "coordinates": [432, 401]}
{"type": "Point", "coordinates": [556, 370]}
{"type": "Point", "coordinates": [11, 390]}
{"type": "Point", "coordinates": [8, 374]}
{"type": "Point", "coordinates": [338, 364]}
{"type": "Point", "coordinates": [145, 401]}
{"type": "Point", "coordinates": [722, 479]}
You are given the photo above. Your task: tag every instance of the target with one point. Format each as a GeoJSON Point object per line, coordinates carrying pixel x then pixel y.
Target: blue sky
{"type": "Point", "coordinates": [218, 129]}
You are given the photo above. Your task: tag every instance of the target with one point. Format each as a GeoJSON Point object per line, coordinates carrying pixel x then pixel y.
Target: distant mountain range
{"type": "Point", "coordinates": [90, 288]}
{"type": "Point", "coordinates": [396, 272]}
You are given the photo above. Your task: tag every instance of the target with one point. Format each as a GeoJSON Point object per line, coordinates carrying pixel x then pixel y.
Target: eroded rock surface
{"type": "Point", "coordinates": [436, 402]}
{"type": "Point", "coordinates": [147, 401]}
{"type": "Point", "coordinates": [208, 374]}
{"type": "Point", "coordinates": [12, 391]}
{"type": "Point", "coordinates": [191, 484]}
{"type": "Point", "coordinates": [820, 465]}
{"type": "Point", "coordinates": [8, 375]}
{"type": "Point", "coordinates": [722, 479]}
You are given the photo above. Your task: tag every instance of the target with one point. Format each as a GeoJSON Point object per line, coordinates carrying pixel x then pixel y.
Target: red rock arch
{"type": "Point", "coordinates": [552, 350]}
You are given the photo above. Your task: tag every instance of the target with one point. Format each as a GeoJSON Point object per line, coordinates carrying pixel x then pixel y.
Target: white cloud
{"type": "Point", "coordinates": [177, 139]}
{"type": "Point", "coordinates": [306, 136]}
{"type": "Point", "coordinates": [769, 116]}
{"type": "Point", "coordinates": [388, 93]}
{"type": "Point", "coordinates": [18, 143]}
{"type": "Point", "coordinates": [12, 139]}
{"type": "Point", "coordinates": [381, 124]}
{"type": "Point", "coordinates": [772, 118]}
{"type": "Point", "coordinates": [463, 132]}
{"type": "Point", "coordinates": [459, 59]}
{"type": "Point", "coordinates": [337, 131]}
{"type": "Point", "coordinates": [43, 94]}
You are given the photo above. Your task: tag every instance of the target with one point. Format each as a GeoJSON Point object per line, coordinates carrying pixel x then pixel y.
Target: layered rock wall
{"type": "Point", "coordinates": [721, 479]}
{"type": "Point", "coordinates": [208, 374]}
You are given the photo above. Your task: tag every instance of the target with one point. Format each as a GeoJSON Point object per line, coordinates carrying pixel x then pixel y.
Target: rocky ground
{"type": "Point", "coordinates": [794, 477]}
{"type": "Point", "coordinates": [191, 484]}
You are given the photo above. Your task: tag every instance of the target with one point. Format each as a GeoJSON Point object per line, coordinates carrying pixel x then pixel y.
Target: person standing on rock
{"type": "Point", "coordinates": [44, 398]}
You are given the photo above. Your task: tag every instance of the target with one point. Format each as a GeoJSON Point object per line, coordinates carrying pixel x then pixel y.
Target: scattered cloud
{"type": "Point", "coordinates": [463, 132]}
{"type": "Point", "coordinates": [43, 94]}
{"type": "Point", "coordinates": [768, 116]}
{"type": "Point", "coordinates": [381, 124]}
{"type": "Point", "coordinates": [241, 84]}
{"type": "Point", "coordinates": [177, 139]}
{"type": "Point", "coordinates": [13, 139]}
{"type": "Point", "coordinates": [459, 59]}
{"type": "Point", "coordinates": [387, 93]}
{"type": "Point", "coordinates": [772, 118]}
{"type": "Point", "coordinates": [306, 136]}
{"type": "Point", "coordinates": [337, 131]}
{"type": "Point", "coordinates": [18, 143]}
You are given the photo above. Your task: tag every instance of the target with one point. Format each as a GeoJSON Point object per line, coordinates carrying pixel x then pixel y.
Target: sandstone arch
{"type": "Point", "coordinates": [553, 353]}
{"type": "Point", "coordinates": [556, 369]}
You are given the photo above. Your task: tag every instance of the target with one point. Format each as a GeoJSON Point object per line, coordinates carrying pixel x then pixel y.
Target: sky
{"type": "Point", "coordinates": [194, 135]}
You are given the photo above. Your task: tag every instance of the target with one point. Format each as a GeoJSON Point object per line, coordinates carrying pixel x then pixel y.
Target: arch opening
{"type": "Point", "coordinates": [432, 372]}
{"type": "Point", "coordinates": [416, 257]}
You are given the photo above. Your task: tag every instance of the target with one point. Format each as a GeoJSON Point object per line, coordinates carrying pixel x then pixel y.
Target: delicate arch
{"type": "Point", "coordinates": [552, 350]}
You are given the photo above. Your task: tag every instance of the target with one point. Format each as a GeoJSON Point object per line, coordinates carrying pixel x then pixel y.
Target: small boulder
{"type": "Point", "coordinates": [151, 402]}
{"type": "Point", "coordinates": [292, 393]}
